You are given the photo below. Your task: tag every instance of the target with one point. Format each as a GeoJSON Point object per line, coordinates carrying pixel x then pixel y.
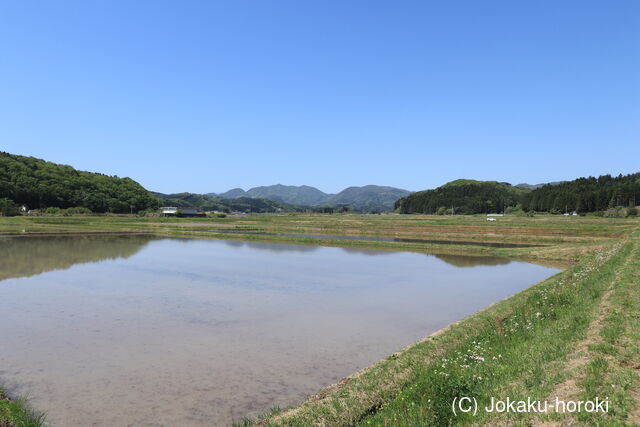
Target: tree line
{"type": "Point", "coordinates": [586, 194]}
{"type": "Point", "coordinates": [473, 197]}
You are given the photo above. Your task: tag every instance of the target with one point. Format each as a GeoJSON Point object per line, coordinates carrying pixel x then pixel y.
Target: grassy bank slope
{"type": "Point", "coordinates": [17, 413]}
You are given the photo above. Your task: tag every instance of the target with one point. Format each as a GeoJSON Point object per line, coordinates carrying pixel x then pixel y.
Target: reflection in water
{"type": "Point", "coordinates": [457, 260]}
{"type": "Point", "coordinates": [368, 252]}
{"type": "Point", "coordinates": [26, 256]}
{"type": "Point", "coordinates": [196, 332]}
{"type": "Point", "coordinates": [382, 239]}
{"type": "Point", "coordinates": [270, 247]}
{"type": "Point", "coordinates": [472, 261]}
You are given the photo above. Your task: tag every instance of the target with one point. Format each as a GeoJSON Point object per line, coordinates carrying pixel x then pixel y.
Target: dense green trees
{"type": "Point", "coordinates": [471, 197]}
{"type": "Point", "coordinates": [465, 196]}
{"type": "Point", "coordinates": [39, 184]}
{"type": "Point", "coordinates": [586, 194]}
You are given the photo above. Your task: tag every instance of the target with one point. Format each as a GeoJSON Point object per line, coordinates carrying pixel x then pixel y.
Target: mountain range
{"type": "Point", "coordinates": [369, 198]}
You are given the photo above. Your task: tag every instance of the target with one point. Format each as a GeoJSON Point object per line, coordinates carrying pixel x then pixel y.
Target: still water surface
{"type": "Point", "coordinates": [135, 330]}
{"type": "Point", "coordinates": [382, 239]}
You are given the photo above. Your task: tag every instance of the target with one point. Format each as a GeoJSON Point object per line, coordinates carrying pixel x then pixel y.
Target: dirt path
{"type": "Point", "coordinates": [580, 357]}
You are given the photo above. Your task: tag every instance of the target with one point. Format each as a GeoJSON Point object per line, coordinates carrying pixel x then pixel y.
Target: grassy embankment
{"type": "Point", "coordinates": [574, 335]}
{"type": "Point", "coordinates": [17, 413]}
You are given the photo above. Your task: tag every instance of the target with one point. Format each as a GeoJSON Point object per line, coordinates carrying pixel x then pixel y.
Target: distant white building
{"type": "Point", "coordinates": [172, 211]}
{"type": "Point", "coordinates": [495, 214]}
{"type": "Point", "coordinates": [168, 210]}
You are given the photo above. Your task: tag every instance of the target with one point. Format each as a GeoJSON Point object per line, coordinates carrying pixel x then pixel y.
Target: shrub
{"type": "Point", "coordinates": [216, 215]}
{"type": "Point", "coordinates": [77, 210]}
{"type": "Point", "coordinates": [515, 210]}
{"type": "Point", "coordinates": [8, 208]}
{"type": "Point", "coordinates": [52, 210]}
{"type": "Point", "coordinates": [617, 212]}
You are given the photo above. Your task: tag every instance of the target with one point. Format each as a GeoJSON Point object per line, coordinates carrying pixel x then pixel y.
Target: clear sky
{"type": "Point", "coordinates": [203, 96]}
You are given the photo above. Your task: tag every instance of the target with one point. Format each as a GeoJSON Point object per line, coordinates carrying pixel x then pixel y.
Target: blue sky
{"type": "Point", "coordinates": [206, 96]}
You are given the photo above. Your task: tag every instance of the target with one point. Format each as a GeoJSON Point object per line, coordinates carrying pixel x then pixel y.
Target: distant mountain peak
{"type": "Point", "coordinates": [534, 186]}
{"type": "Point", "coordinates": [234, 193]}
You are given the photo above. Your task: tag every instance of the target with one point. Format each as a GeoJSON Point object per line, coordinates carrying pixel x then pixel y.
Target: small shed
{"type": "Point", "coordinates": [173, 211]}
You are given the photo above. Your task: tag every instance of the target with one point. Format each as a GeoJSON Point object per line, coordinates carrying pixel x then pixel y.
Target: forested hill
{"type": "Point", "coordinates": [472, 197]}
{"type": "Point", "coordinates": [39, 184]}
{"type": "Point", "coordinates": [208, 202]}
{"type": "Point", "coordinates": [297, 195]}
{"type": "Point", "coordinates": [586, 194]}
{"type": "Point", "coordinates": [465, 196]}
{"type": "Point", "coordinates": [292, 194]}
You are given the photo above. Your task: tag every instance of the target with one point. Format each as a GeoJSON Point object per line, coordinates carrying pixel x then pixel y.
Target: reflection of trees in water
{"type": "Point", "coordinates": [27, 256]}
{"type": "Point", "coordinates": [456, 260]}
{"type": "Point", "coordinates": [271, 247]}
{"type": "Point", "coordinates": [472, 261]}
{"type": "Point", "coordinates": [368, 252]}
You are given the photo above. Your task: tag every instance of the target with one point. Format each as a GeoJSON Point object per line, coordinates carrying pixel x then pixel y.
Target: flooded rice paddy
{"type": "Point", "coordinates": [136, 330]}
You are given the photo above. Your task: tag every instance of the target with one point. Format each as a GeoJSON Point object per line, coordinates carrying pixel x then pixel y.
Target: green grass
{"type": "Point", "coordinates": [511, 357]}
{"type": "Point", "coordinates": [17, 413]}
{"type": "Point", "coordinates": [614, 366]}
